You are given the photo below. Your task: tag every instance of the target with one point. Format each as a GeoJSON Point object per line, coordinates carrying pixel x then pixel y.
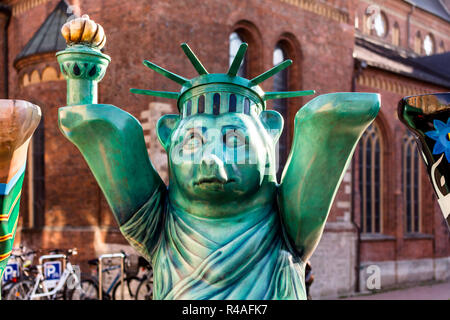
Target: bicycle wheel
{"type": "Point", "coordinates": [88, 289]}
{"type": "Point", "coordinates": [129, 292]}
{"type": "Point", "coordinates": [145, 289]}
{"type": "Point", "coordinates": [20, 291]}
{"type": "Point", "coordinates": [5, 288]}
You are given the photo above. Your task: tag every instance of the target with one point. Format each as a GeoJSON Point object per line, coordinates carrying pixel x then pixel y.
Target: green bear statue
{"type": "Point", "coordinates": [223, 228]}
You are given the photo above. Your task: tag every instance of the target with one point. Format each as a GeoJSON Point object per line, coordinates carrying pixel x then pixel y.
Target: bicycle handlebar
{"type": "Point", "coordinates": [21, 255]}
{"type": "Point", "coordinates": [68, 252]}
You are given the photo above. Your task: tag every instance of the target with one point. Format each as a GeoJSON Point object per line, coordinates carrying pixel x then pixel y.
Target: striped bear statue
{"type": "Point", "coordinates": [18, 121]}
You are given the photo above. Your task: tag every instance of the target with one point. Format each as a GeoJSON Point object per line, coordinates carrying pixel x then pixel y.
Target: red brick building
{"type": "Point", "coordinates": [385, 214]}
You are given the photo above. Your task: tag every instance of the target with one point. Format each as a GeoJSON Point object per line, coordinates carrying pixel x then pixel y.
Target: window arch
{"type": "Point", "coordinates": [365, 23]}
{"type": "Point", "coordinates": [396, 34]}
{"type": "Point", "coordinates": [375, 21]}
{"type": "Point", "coordinates": [246, 31]}
{"type": "Point", "coordinates": [370, 180]}
{"type": "Point", "coordinates": [429, 44]}
{"type": "Point", "coordinates": [380, 25]}
{"type": "Point", "coordinates": [49, 74]}
{"type": "Point", "coordinates": [25, 80]}
{"type": "Point", "coordinates": [290, 79]}
{"type": "Point", "coordinates": [36, 177]}
{"type": "Point", "coordinates": [411, 184]}
{"type": "Point", "coordinates": [281, 83]}
{"type": "Point", "coordinates": [441, 47]}
{"type": "Point", "coordinates": [35, 77]}
{"type": "Point", "coordinates": [235, 41]}
{"type": "Point", "coordinates": [418, 43]}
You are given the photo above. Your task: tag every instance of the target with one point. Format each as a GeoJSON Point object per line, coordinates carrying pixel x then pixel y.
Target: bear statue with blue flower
{"type": "Point", "coordinates": [223, 228]}
{"type": "Point", "coordinates": [441, 135]}
{"type": "Point", "coordinates": [427, 116]}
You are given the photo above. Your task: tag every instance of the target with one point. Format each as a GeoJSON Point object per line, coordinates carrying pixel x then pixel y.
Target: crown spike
{"type": "Point", "coordinates": [236, 64]}
{"type": "Point", "coordinates": [194, 60]}
{"type": "Point", "coordinates": [287, 94]}
{"type": "Point", "coordinates": [163, 94]}
{"type": "Point", "coordinates": [269, 73]}
{"type": "Point", "coordinates": [172, 76]}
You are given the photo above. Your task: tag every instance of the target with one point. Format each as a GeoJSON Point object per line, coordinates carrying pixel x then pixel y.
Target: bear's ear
{"type": "Point", "coordinates": [164, 128]}
{"type": "Point", "coordinates": [273, 122]}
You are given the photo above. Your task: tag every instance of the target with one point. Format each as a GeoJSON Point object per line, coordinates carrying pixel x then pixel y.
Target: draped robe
{"type": "Point", "coordinates": [239, 257]}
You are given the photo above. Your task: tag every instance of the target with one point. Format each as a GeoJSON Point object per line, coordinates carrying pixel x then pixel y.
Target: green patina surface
{"type": "Point", "coordinates": [223, 228]}
{"type": "Point", "coordinates": [82, 67]}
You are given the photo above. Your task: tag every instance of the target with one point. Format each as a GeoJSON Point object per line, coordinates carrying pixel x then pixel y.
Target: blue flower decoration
{"type": "Point", "coordinates": [442, 138]}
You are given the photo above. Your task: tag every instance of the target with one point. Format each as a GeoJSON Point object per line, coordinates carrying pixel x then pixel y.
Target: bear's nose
{"type": "Point", "coordinates": [212, 165]}
{"type": "Point", "coordinates": [211, 160]}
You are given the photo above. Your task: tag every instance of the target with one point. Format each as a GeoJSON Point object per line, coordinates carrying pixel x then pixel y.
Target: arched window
{"type": "Point", "coordinates": [396, 35]}
{"type": "Point", "coordinates": [365, 23]}
{"type": "Point", "coordinates": [428, 44]}
{"type": "Point", "coordinates": [235, 41]}
{"type": "Point", "coordinates": [252, 64]}
{"type": "Point", "coordinates": [411, 184]}
{"type": "Point", "coordinates": [441, 47]}
{"type": "Point", "coordinates": [280, 83]}
{"type": "Point", "coordinates": [380, 24]}
{"type": "Point", "coordinates": [36, 178]}
{"type": "Point", "coordinates": [418, 43]}
{"type": "Point", "coordinates": [370, 180]}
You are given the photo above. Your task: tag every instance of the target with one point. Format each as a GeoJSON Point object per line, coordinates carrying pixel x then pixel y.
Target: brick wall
{"type": "Point", "coordinates": [409, 20]}
{"type": "Point", "coordinates": [3, 68]}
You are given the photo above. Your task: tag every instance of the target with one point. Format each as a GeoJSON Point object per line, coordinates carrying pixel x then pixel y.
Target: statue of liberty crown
{"type": "Point", "coordinates": [217, 93]}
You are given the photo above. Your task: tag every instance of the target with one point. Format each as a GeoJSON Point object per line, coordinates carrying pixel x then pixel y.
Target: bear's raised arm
{"type": "Point", "coordinates": [112, 143]}
{"type": "Point", "coordinates": [110, 139]}
{"type": "Point", "coordinates": [326, 132]}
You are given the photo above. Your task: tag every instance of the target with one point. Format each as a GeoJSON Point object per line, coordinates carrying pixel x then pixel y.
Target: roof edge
{"type": "Point", "coordinates": [22, 53]}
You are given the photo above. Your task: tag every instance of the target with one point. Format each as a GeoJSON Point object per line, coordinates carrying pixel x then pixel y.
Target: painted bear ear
{"type": "Point", "coordinates": [166, 124]}
{"type": "Point", "coordinates": [273, 122]}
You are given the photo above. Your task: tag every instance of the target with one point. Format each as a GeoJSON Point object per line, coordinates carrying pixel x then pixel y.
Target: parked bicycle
{"type": "Point", "coordinates": [55, 278]}
{"type": "Point", "coordinates": [113, 290]}
{"type": "Point", "coordinates": [19, 268]}
{"type": "Point", "coordinates": [145, 289]}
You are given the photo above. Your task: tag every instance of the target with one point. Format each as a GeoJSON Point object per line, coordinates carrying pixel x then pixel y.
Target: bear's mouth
{"type": "Point", "coordinates": [212, 181]}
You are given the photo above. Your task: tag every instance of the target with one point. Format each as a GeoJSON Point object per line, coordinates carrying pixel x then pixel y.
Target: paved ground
{"type": "Point", "coordinates": [438, 291]}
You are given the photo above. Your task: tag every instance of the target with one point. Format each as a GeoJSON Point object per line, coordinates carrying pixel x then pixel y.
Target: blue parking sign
{"type": "Point", "coordinates": [52, 270]}
{"type": "Point", "coordinates": [52, 273]}
{"type": "Point", "coordinates": [11, 271]}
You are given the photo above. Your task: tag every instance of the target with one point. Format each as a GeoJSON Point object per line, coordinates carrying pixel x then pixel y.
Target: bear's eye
{"type": "Point", "coordinates": [192, 141]}
{"type": "Point", "coordinates": [233, 138]}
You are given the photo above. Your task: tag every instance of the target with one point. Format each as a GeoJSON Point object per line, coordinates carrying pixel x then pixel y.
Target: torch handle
{"type": "Point", "coordinates": [81, 91]}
